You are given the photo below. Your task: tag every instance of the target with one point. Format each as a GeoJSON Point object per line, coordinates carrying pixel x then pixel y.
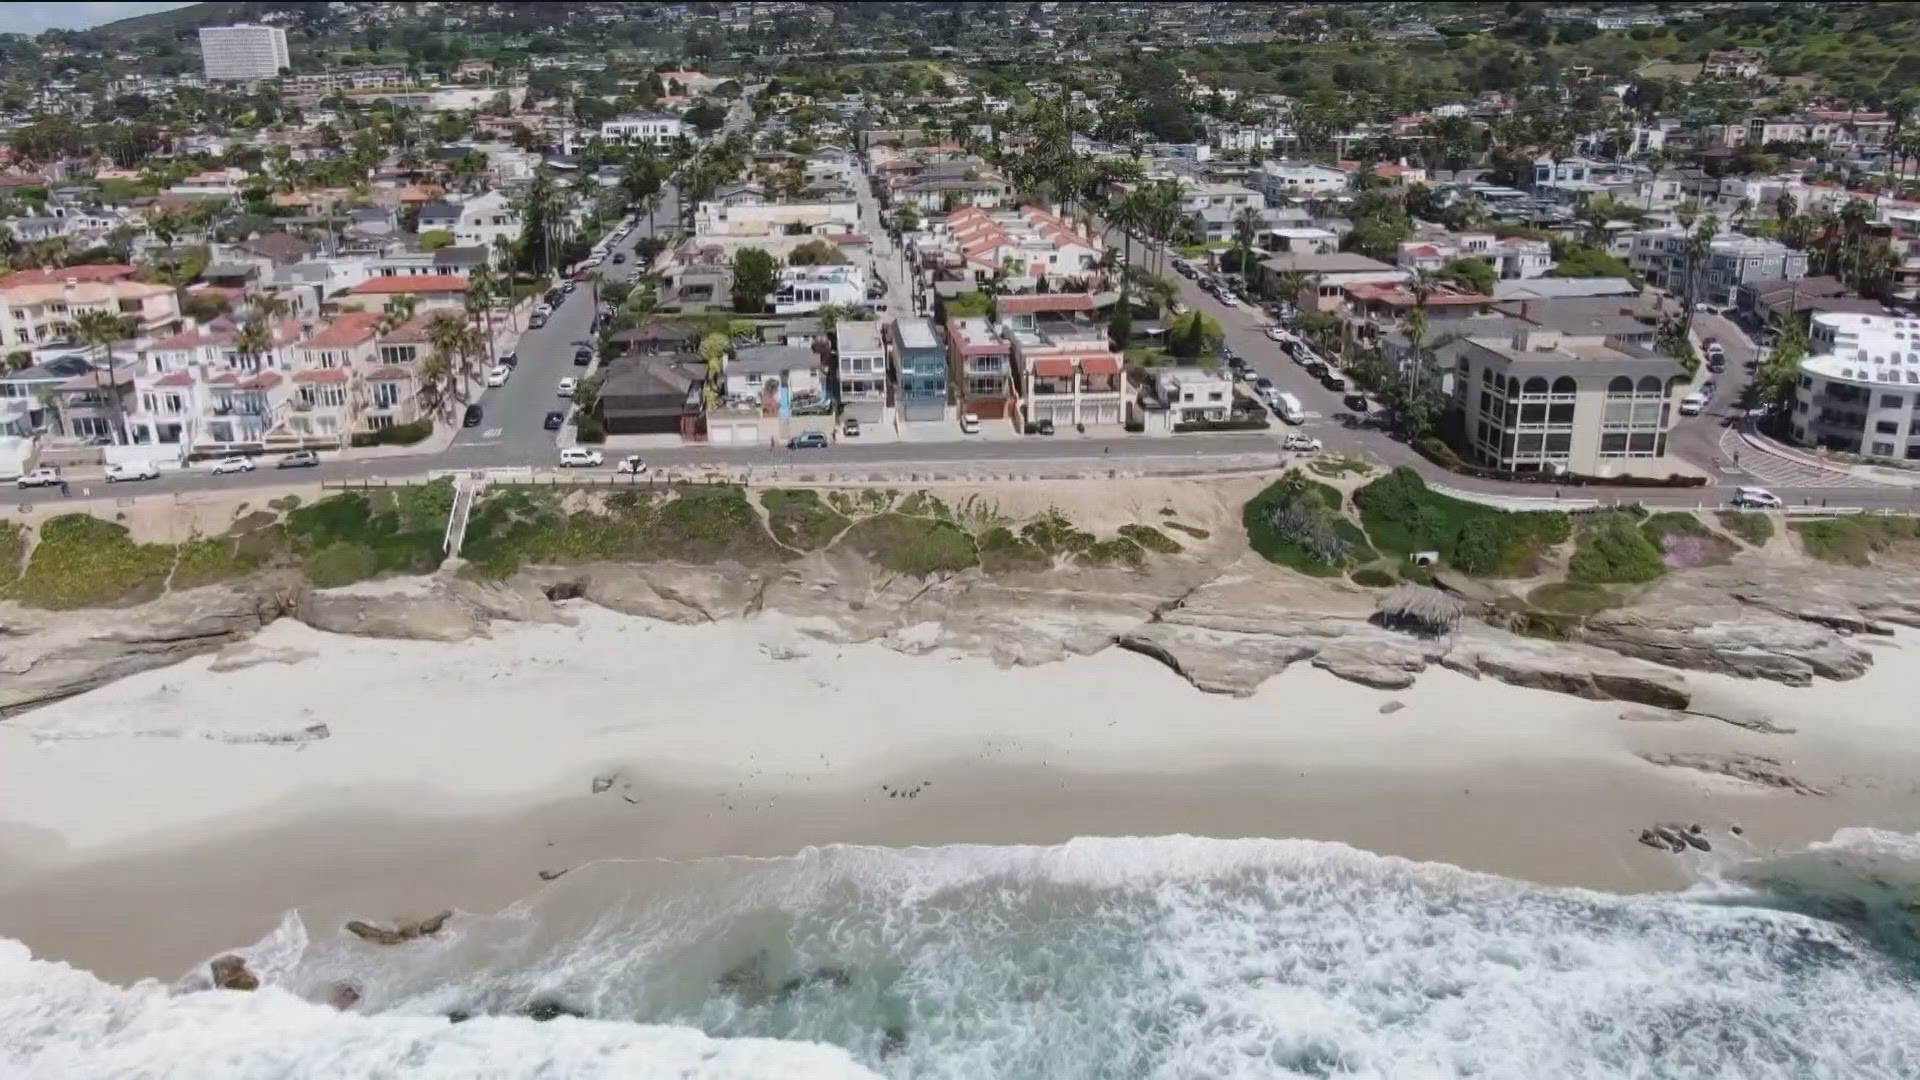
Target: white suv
{"type": "Point", "coordinates": [575, 457]}
{"type": "Point", "coordinates": [1754, 498]}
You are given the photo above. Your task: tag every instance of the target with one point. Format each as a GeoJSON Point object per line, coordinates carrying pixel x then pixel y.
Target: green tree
{"type": "Point", "coordinates": [755, 276]}
{"type": "Point", "coordinates": [1476, 275]}
{"type": "Point", "coordinates": [435, 239]}
{"type": "Point", "coordinates": [99, 330]}
{"type": "Point", "coordinates": [1780, 375]}
{"type": "Point", "coordinates": [1193, 335]}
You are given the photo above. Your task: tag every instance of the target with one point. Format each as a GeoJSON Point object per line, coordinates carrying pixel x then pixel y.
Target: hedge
{"type": "Point", "coordinates": [1438, 452]}
{"type": "Point", "coordinates": [397, 435]}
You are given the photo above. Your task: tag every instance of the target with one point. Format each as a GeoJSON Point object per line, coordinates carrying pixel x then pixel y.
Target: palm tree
{"type": "Point", "coordinates": [99, 330]}
{"type": "Point", "coordinates": [399, 313]}
{"type": "Point", "coordinates": [1246, 233]}
{"type": "Point", "coordinates": [1422, 284]}
{"type": "Point", "coordinates": [449, 337]}
{"type": "Point", "coordinates": [253, 340]}
{"type": "Point", "coordinates": [1127, 214]}
{"type": "Point", "coordinates": [483, 289]}
{"type": "Point", "coordinates": [1296, 283]}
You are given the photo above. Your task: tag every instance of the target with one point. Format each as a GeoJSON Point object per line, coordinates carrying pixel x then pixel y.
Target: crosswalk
{"type": "Point", "coordinates": [1741, 463]}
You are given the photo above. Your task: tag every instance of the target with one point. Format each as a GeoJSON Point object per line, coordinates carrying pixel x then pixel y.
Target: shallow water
{"type": "Point", "coordinates": [1099, 958]}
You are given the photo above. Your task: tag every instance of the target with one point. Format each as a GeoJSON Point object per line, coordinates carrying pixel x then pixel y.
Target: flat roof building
{"type": "Point", "coordinates": [243, 53]}
{"type": "Point", "coordinates": [1859, 390]}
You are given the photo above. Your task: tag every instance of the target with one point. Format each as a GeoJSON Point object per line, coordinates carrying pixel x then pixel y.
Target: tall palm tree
{"type": "Point", "coordinates": [449, 336]}
{"type": "Point", "coordinates": [1125, 214]}
{"type": "Point", "coordinates": [253, 340]}
{"type": "Point", "coordinates": [1246, 233]}
{"type": "Point", "coordinates": [99, 330]}
{"type": "Point", "coordinates": [399, 313]}
{"type": "Point", "coordinates": [1296, 283]}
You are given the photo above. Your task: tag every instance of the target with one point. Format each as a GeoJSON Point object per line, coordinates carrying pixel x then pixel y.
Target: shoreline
{"type": "Point", "coordinates": [143, 855]}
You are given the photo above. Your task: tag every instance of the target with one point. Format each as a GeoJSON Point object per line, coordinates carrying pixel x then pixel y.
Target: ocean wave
{"type": "Point", "coordinates": [58, 1023]}
{"type": "Point", "coordinates": [1104, 959]}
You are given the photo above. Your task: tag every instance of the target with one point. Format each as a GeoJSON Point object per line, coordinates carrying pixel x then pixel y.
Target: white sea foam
{"type": "Point", "coordinates": [57, 1023]}
{"type": "Point", "coordinates": [1114, 959]}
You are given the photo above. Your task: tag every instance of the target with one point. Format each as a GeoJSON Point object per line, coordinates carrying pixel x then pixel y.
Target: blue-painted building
{"type": "Point", "coordinates": [919, 357]}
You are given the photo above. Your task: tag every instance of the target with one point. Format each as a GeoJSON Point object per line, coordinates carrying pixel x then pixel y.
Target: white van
{"type": "Point", "coordinates": [1692, 404]}
{"type": "Point", "coordinates": [1289, 408]}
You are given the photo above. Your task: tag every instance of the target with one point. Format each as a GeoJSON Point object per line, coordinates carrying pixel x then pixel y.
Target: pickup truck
{"type": "Point", "coordinates": [43, 477]}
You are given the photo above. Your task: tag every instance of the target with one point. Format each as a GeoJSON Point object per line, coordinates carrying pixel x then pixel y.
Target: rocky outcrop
{"type": "Point", "coordinates": [230, 973]}
{"type": "Point", "coordinates": [1751, 768]}
{"type": "Point", "coordinates": [399, 933]}
{"type": "Point", "coordinates": [1566, 668]}
{"type": "Point", "coordinates": [46, 656]}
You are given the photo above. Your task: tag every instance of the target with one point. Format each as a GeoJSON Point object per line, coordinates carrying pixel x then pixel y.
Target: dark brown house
{"type": "Point", "coordinates": [654, 395]}
{"type": "Point", "coordinates": [659, 339]}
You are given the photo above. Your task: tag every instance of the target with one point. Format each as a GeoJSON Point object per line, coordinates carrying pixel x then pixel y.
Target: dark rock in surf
{"type": "Point", "coordinates": [230, 973]}
{"type": "Point", "coordinates": [343, 995]}
{"type": "Point", "coordinates": [1652, 839]}
{"type": "Point", "coordinates": [406, 931]}
{"type": "Point", "coordinates": [543, 1011]}
{"type": "Point", "coordinates": [894, 1041]}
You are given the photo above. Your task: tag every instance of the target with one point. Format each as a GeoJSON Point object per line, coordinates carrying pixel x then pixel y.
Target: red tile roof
{"type": "Point", "coordinates": [85, 272]}
{"type": "Point", "coordinates": [1053, 367]}
{"type": "Point", "coordinates": [321, 375]}
{"type": "Point", "coordinates": [1104, 364]}
{"type": "Point", "coordinates": [345, 331]}
{"type": "Point", "coordinates": [1038, 303]}
{"type": "Point", "coordinates": [417, 283]}
{"type": "Point", "coordinates": [175, 378]}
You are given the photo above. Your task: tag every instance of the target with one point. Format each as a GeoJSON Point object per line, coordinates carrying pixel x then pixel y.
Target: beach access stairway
{"type": "Point", "coordinates": [466, 488]}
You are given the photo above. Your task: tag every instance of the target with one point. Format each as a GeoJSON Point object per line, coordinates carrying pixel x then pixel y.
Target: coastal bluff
{"type": "Point", "coordinates": [1225, 625]}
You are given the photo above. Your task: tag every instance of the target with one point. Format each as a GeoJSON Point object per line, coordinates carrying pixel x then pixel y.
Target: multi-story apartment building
{"type": "Point", "coordinates": [42, 311]}
{"type": "Point", "coordinates": [1733, 261]}
{"type": "Point", "coordinates": [1022, 247]}
{"type": "Point", "coordinates": [656, 129]}
{"type": "Point", "coordinates": [1859, 391]}
{"type": "Point", "coordinates": [1065, 372]}
{"type": "Point", "coordinates": [980, 362]}
{"type": "Point", "coordinates": [243, 53]}
{"type": "Point", "coordinates": [1280, 180]}
{"type": "Point", "coordinates": [803, 289]}
{"type": "Point", "coordinates": [1542, 400]}
{"type": "Point", "coordinates": [920, 369]}
{"type": "Point", "coordinates": [860, 370]}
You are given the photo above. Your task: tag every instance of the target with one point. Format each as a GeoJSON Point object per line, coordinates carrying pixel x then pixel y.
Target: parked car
{"type": "Point", "coordinates": [631, 465]}
{"type": "Point", "coordinates": [1754, 498]}
{"type": "Point", "coordinates": [1693, 404]}
{"type": "Point", "coordinates": [1274, 333]}
{"type": "Point", "coordinates": [545, 309]}
{"type": "Point", "coordinates": [582, 357]}
{"type": "Point", "coordinates": [619, 257]}
{"type": "Point", "coordinates": [1357, 403]}
{"type": "Point", "coordinates": [567, 387]}
{"type": "Point", "coordinates": [850, 427]}
{"type": "Point", "coordinates": [579, 457]}
{"type": "Point", "coordinates": [132, 470]}
{"type": "Point", "coordinates": [1317, 369]}
{"type": "Point", "coordinates": [1334, 381]}
{"type": "Point", "coordinates": [1263, 386]}
{"type": "Point", "coordinates": [969, 424]}
{"type": "Point", "coordinates": [299, 459]}
{"type": "Point", "coordinates": [569, 286]}
{"type": "Point", "coordinates": [1041, 427]}
{"type": "Point", "coordinates": [537, 321]}
{"type": "Point", "coordinates": [512, 359]}
{"type": "Point", "coordinates": [499, 375]}
{"type": "Point", "coordinates": [45, 476]}
{"type": "Point", "coordinates": [554, 420]}
{"type": "Point", "coordinates": [1302, 442]}
{"type": "Point", "coordinates": [234, 464]}
{"type": "Point", "coordinates": [809, 440]}
{"type": "Point", "coordinates": [471, 418]}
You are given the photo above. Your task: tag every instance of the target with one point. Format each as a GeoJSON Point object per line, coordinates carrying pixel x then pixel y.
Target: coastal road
{"type": "Point", "coordinates": [512, 415]}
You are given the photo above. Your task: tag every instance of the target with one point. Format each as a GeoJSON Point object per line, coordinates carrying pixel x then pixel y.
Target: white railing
{"type": "Point", "coordinates": [1515, 502]}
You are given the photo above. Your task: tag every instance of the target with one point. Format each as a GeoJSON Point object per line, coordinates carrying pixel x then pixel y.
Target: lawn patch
{"type": "Point", "coordinates": [1004, 551]}
{"type": "Point", "coordinates": [395, 530]}
{"type": "Point", "coordinates": [82, 561]}
{"type": "Point", "coordinates": [1403, 515]}
{"type": "Point", "coordinates": [1573, 598]}
{"type": "Point", "coordinates": [1751, 526]}
{"type": "Point", "coordinates": [214, 558]}
{"type": "Point", "coordinates": [1118, 551]}
{"type": "Point", "coordinates": [1854, 540]}
{"type": "Point", "coordinates": [1611, 549]}
{"type": "Point", "coordinates": [1373, 577]}
{"type": "Point", "coordinates": [800, 519]}
{"type": "Point", "coordinates": [912, 545]}
{"type": "Point", "coordinates": [1338, 465]}
{"type": "Point", "coordinates": [1296, 523]}
{"type": "Point", "coordinates": [13, 549]}
{"type": "Point", "coordinates": [1151, 539]}
{"type": "Point", "coordinates": [1684, 542]}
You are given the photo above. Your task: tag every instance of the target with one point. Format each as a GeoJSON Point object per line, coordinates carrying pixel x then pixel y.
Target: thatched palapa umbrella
{"type": "Point", "coordinates": [1419, 609]}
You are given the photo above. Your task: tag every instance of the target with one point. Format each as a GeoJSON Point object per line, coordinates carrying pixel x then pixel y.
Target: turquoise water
{"type": "Point", "coordinates": [1130, 958]}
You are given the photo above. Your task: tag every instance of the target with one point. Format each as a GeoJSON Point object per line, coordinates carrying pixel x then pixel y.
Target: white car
{"type": "Point", "coordinates": [575, 457]}
{"type": "Point", "coordinates": [1754, 498]}
{"type": "Point", "coordinates": [567, 387]}
{"type": "Point", "coordinates": [42, 477]}
{"type": "Point", "coordinates": [1304, 443]}
{"type": "Point", "coordinates": [132, 470]}
{"type": "Point", "coordinates": [235, 464]}
{"type": "Point", "coordinates": [499, 376]}
{"type": "Point", "coordinates": [969, 424]}
{"type": "Point", "coordinates": [1274, 333]}
{"type": "Point", "coordinates": [631, 465]}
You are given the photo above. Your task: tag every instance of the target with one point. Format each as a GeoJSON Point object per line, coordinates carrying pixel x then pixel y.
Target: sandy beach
{"type": "Point", "coordinates": [154, 822]}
